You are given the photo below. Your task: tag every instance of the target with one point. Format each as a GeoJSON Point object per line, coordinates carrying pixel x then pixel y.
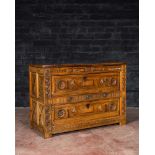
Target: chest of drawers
{"type": "Point", "coordinates": [76, 96]}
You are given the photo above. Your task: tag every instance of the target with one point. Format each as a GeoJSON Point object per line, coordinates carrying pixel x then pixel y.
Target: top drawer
{"type": "Point", "coordinates": [88, 83]}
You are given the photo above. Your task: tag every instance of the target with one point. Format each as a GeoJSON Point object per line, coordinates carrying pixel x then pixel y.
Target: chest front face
{"type": "Point", "coordinates": [79, 96]}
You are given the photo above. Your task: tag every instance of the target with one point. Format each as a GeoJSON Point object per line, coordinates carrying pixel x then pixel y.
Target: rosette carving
{"type": "Point", "coordinates": [61, 113]}
{"type": "Point", "coordinates": [61, 85]}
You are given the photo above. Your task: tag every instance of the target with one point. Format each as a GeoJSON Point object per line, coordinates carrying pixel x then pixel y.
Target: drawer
{"type": "Point", "coordinates": [104, 95]}
{"type": "Point", "coordinates": [85, 115]}
{"type": "Point", "coordinates": [73, 84]}
{"type": "Point", "coordinates": [99, 108]}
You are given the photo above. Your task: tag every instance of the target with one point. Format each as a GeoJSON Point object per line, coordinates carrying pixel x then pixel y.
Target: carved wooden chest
{"type": "Point", "coordinates": [72, 97]}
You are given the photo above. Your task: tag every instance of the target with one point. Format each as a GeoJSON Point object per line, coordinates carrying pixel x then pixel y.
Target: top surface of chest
{"type": "Point", "coordinates": [79, 68]}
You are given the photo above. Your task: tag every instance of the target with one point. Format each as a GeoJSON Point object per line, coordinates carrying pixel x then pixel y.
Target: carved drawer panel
{"type": "Point", "coordinates": [101, 107]}
{"type": "Point", "coordinates": [85, 115]}
{"type": "Point", "coordinates": [85, 97]}
{"type": "Point", "coordinates": [72, 84]}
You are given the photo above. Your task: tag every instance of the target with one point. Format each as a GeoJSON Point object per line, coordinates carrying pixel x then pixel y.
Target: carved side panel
{"type": "Point", "coordinates": [40, 108]}
{"type": "Point", "coordinates": [33, 84]}
{"type": "Point", "coordinates": [34, 112]}
{"type": "Point", "coordinates": [41, 85]}
{"type": "Point", "coordinates": [41, 114]}
{"type": "Point", "coordinates": [41, 117]}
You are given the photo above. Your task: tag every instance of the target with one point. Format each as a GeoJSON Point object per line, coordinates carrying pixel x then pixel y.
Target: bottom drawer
{"type": "Point", "coordinates": [81, 115]}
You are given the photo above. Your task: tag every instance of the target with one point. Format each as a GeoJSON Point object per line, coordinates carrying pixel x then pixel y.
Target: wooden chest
{"type": "Point", "coordinates": [72, 97]}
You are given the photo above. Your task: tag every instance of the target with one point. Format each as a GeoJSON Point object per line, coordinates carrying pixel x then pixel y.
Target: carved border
{"type": "Point", "coordinates": [47, 83]}
{"type": "Point", "coordinates": [86, 69]}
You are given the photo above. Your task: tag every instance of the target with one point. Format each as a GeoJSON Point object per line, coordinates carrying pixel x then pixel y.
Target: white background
{"type": "Point", "coordinates": [7, 77]}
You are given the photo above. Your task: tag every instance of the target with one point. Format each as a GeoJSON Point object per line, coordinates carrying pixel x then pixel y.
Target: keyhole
{"type": "Point", "coordinates": [88, 105]}
{"type": "Point", "coordinates": [84, 78]}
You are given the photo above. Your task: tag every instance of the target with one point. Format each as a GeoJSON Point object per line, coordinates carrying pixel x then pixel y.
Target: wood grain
{"type": "Point", "coordinates": [76, 96]}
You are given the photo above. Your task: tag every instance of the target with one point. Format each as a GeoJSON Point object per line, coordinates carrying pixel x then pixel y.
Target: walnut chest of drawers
{"type": "Point", "coordinates": [76, 96]}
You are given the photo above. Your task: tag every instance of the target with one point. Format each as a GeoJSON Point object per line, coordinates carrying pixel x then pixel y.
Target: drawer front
{"type": "Point", "coordinates": [80, 110]}
{"type": "Point", "coordinates": [73, 84]}
{"type": "Point", "coordinates": [86, 97]}
{"type": "Point", "coordinates": [83, 115]}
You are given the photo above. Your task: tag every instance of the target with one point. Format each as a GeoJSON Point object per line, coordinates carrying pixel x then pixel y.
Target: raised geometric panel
{"type": "Point", "coordinates": [78, 83]}
{"type": "Point", "coordinates": [85, 109]}
{"type": "Point", "coordinates": [34, 111]}
{"type": "Point", "coordinates": [33, 86]}
{"type": "Point", "coordinates": [40, 85]}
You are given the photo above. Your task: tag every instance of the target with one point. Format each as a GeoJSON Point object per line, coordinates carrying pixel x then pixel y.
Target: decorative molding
{"type": "Point", "coordinates": [77, 70]}
{"type": "Point", "coordinates": [87, 124]}
{"type": "Point", "coordinates": [108, 82]}
{"type": "Point", "coordinates": [48, 114]}
{"type": "Point", "coordinates": [47, 83]}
